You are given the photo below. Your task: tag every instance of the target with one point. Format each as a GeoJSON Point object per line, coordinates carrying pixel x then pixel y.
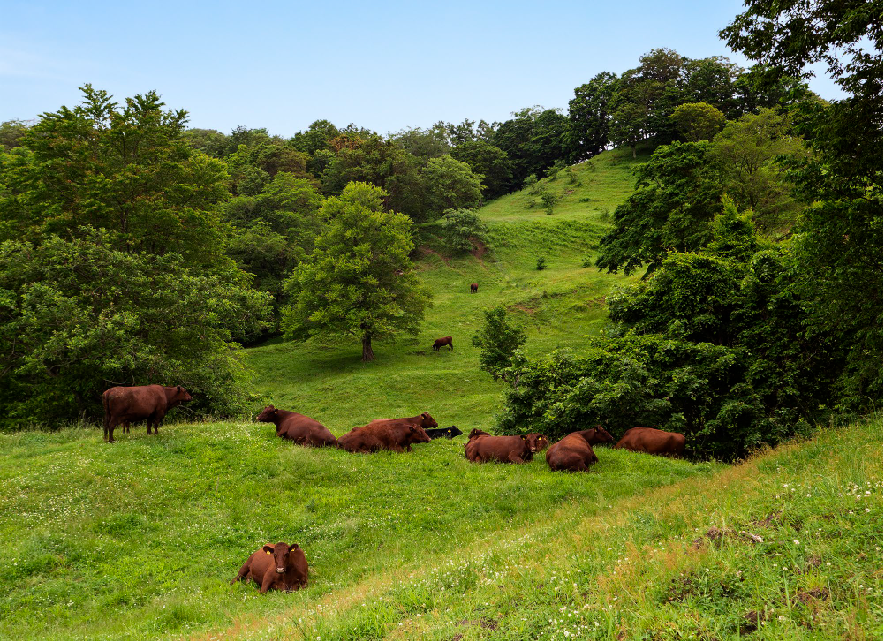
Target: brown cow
{"type": "Point", "coordinates": [123, 405]}
{"type": "Point", "coordinates": [475, 432]}
{"type": "Point", "coordinates": [474, 287]}
{"type": "Point", "coordinates": [301, 429]}
{"type": "Point", "coordinates": [652, 441]}
{"type": "Point", "coordinates": [574, 452]}
{"type": "Point", "coordinates": [509, 449]}
{"type": "Point", "coordinates": [442, 341]}
{"type": "Point", "coordinates": [383, 436]}
{"type": "Point", "coordinates": [275, 566]}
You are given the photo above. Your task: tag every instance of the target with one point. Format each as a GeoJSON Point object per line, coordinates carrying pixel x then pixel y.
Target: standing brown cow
{"type": "Point", "coordinates": [275, 566]}
{"type": "Point", "coordinates": [301, 429]}
{"type": "Point", "coordinates": [574, 452]}
{"type": "Point", "coordinates": [474, 287]}
{"type": "Point", "coordinates": [123, 405]}
{"type": "Point", "coordinates": [509, 449]}
{"type": "Point", "coordinates": [652, 441]}
{"type": "Point", "coordinates": [442, 341]}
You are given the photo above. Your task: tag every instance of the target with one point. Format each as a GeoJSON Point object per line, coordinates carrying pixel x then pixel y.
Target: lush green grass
{"type": "Point", "coordinates": [139, 539]}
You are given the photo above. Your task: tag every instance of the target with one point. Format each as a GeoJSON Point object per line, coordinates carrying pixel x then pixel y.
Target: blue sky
{"type": "Point", "coordinates": [381, 65]}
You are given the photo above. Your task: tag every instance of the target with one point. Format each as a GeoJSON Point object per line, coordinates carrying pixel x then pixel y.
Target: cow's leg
{"type": "Point", "coordinates": [268, 581]}
{"type": "Point", "coordinates": [243, 571]}
{"type": "Point", "coordinates": [514, 458]}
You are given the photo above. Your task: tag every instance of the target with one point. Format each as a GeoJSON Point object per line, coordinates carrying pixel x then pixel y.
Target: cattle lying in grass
{"type": "Point", "coordinates": [509, 449]}
{"type": "Point", "coordinates": [474, 287]}
{"type": "Point", "coordinates": [475, 432]}
{"type": "Point", "coordinates": [380, 436]}
{"type": "Point", "coordinates": [301, 429]}
{"type": "Point", "coordinates": [448, 433]}
{"type": "Point", "coordinates": [652, 441]}
{"type": "Point", "coordinates": [275, 566]}
{"type": "Point", "coordinates": [123, 405]}
{"type": "Point", "coordinates": [442, 341]}
{"type": "Point", "coordinates": [574, 452]}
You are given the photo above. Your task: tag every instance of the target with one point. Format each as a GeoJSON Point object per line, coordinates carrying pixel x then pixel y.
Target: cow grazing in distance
{"type": "Point", "coordinates": [123, 405]}
{"type": "Point", "coordinates": [474, 287]}
{"type": "Point", "coordinates": [652, 441]}
{"type": "Point", "coordinates": [509, 449]}
{"type": "Point", "coordinates": [301, 429]}
{"type": "Point", "coordinates": [448, 433]}
{"type": "Point", "coordinates": [574, 452]}
{"type": "Point", "coordinates": [379, 436]}
{"type": "Point", "coordinates": [275, 566]}
{"type": "Point", "coordinates": [442, 341]}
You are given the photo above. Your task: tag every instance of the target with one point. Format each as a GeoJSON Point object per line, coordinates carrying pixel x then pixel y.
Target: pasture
{"type": "Point", "coordinates": [139, 539]}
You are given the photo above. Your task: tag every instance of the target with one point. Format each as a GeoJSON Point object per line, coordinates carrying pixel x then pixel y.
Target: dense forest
{"type": "Point", "coordinates": [136, 250]}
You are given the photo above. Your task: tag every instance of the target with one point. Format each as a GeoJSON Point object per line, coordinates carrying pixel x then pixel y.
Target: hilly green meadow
{"type": "Point", "coordinates": [139, 539]}
{"type": "Point", "coordinates": [689, 245]}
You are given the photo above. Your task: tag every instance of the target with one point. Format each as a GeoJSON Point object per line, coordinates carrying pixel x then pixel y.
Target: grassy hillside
{"type": "Point", "coordinates": [139, 539]}
{"type": "Point", "coordinates": [558, 307]}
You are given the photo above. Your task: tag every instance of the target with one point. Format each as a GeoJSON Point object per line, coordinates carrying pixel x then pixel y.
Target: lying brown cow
{"type": "Point", "coordinates": [652, 441]}
{"type": "Point", "coordinates": [301, 429]}
{"type": "Point", "coordinates": [380, 436]}
{"type": "Point", "coordinates": [123, 405]}
{"type": "Point", "coordinates": [509, 449]}
{"type": "Point", "coordinates": [574, 452]}
{"type": "Point", "coordinates": [275, 567]}
{"type": "Point", "coordinates": [442, 341]}
{"type": "Point", "coordinates": [474, 287]}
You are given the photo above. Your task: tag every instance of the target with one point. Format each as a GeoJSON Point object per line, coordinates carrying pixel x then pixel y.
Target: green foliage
{"type": "Point", "coordinates": [677, 195]}
{"type": "Point", "coordinates": [549, 201]}
{"type": "Point", "coordinates": [534, 139]}
{"type": "Point", "coordinates": [358, 281]}
{"type": "Point", "coordinates": [449, 184]}
{"type": "Point", "coordinates": [541, 263]}
{"type": "Point", "coordinates": [128, 170]}
{"type": "Point", "coordinates": [590, 115]}
{"type": "Point", "coordinates": [697, 121]}
{"type": "Point", "coordinates": [749, 153]}
{"type": "Point", "coordinates": [839, 245]}
{"type": "Point", "coordinates": [488, 161]}
{"type": "Point", "coordinates": [459, 230]}
{"type": "Point", "coordinates": [498, 343]}
{"type": "Point", "coordinates": [78, 317]}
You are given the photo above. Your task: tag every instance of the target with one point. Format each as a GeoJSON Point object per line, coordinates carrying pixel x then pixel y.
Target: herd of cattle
{"type": "Point", "coordinates": [284, 567]}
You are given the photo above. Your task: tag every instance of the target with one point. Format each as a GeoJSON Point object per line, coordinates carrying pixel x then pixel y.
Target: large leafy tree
{"type": "Point", "coordinates": [678, 193]}
{"type": "Point", "coordinates": [841, 234]}
{"type": "Point", "coordinates": [534, 139]}
{"type": "Point", "coordinates": [127, 169]}
{"type": "Point", "coordinates": [488, 161]}
{"type": "Point", "coordinates": [359, 280]}
{"type": "Point", "coordinates": [78, 316]}
{"type": "Point", "coordinates": [590, 114]}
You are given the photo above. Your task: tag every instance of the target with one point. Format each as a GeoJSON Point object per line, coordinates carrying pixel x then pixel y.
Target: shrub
{"type": "Point", "coordinates": [541, 263]}
{"type": "Point", "coordinates": [458, 229]}
{"type": "Point", "coordinates": [498, 343]}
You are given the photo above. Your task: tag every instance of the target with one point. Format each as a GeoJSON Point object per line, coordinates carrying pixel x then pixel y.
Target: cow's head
{"type": "Point", "coordinates": [280, 552]}
{"type": "Point", "coordinates": [474, 433]}
{"type": "Point", "coordinates": [597, 435]}
{"type": "Point", "coordinates": [268, 414]}
{"type": "Point", "coordinates": [181, 394]}
{"type": "Point", "coordinates": [537, 442]}
{"type": "Point", "coordinates": [417, 435]}
{"type": "Point", "coordinates": [427, 421]}
{"type": "Point", "coordinates": [452, 431]}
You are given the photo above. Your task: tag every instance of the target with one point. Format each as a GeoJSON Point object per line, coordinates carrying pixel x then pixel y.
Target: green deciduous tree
{"type": "Point", "coordinates": [449, 184]}
{"type": "Point", "coordinates": [498, 342]}
{"type": "Point", "coordinates": [491, 162]}
{"type": "Point", "coordinates": [359, 280]}
{"type": "Point", "coordinates": [697, 121]}
{"type": "Point", "coordinates": [590, 115]}
{"type": "Point", "coordinates": [78, 316]}
{"type": "Point", "coordinates": [678, 193]}
{"type": "Point", "coordinates": [126, 169]}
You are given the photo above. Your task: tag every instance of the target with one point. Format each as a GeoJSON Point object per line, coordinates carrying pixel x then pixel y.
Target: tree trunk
{"type": "Point", "coordinates": [367, 352]}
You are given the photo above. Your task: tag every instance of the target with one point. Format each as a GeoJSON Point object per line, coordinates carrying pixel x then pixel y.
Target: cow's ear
{"type": "Point", "coordinates": [179, 388]}
{"type": "Point", "coordinates": [268, 550]}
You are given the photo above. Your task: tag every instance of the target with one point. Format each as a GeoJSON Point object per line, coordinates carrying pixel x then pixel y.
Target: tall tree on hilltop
{"type": "Point", "coordinates": [359, 280]}
{"type": "Point", "coordinates": [590, 114]}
